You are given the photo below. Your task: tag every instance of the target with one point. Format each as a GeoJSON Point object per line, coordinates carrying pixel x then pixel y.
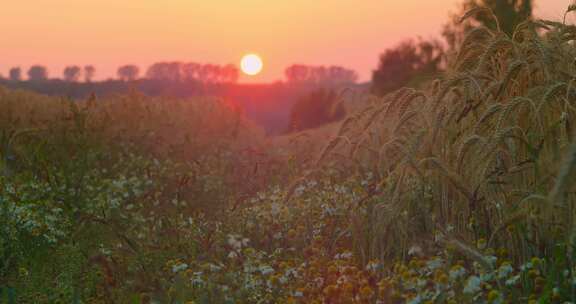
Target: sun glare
{"type": "Point", "coordinates": [251, 64]}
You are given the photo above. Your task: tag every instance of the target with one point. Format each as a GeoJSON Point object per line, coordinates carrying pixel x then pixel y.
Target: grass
{"type": "Point", "coordinates": [460, 192]}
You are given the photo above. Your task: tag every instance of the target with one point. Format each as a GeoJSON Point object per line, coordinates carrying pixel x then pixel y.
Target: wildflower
{"type": "Point", "coordinates": [23, 272]}
{"type": "Point", "coordinates": [472, 285]}
{"type": "Point", "coordinates": [265, 270]}
{"type": "Point", "coordinates": [332, 269]}
{"type": "Point", "coordinates": [415, 251]}
{"type": "Point", "coordinates": [344, 256]}
{"type": "Point", "coordinates": [331, 291]}
{"type": "Point", "coordinates": [179, 267]}
{"type": "Point", "coordinates": [457, 272]}
{"type": "Point", "coordinates": [513, 281]}
{"type": "Point", "coordinates": [366, 293]}
{"type": "Point", "coordinates": [275, 280]}
{"type": "Point", "coordinates": [441, 277]}
{"type": "Point", "coordinates": [275, 209]}
{"type": "Point", "coordinates": [493, 295]}
{"type": "Point", "coordinates": [348, 289]}
{"type": "Point", "coordinates": [291, 234]}
{"type": "Point", "coordinates": [505, 270]}
{"type": "Point", "coordinates": [372, 266]}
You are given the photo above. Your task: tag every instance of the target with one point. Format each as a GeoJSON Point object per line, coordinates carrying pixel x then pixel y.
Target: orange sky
{"type": "Point", "coordinates": [109, 33]}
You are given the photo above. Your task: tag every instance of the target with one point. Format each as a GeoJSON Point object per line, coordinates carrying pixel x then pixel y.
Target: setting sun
{"type": "Point", "coordinates": [251, 64]}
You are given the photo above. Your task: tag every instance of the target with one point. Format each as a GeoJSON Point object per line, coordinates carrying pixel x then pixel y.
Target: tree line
{"type": "Point", "coordinates": [162, 71]}
{"type": "Point", "coordinates": [176, 71]}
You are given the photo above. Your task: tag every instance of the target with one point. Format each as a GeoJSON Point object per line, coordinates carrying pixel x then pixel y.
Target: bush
{"type": "Point", "coordinates": [316, 109]}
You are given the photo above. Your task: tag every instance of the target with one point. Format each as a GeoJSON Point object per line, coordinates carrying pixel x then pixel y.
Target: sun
{"type": "Point", "coordinates": [251, 64]}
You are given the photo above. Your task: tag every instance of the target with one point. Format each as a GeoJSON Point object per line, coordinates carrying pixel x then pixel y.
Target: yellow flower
{"type": "Point", "coordinates": [332, 269]}
{"type": "Point", "coordinates": [366, 293]}
{"type": "Point", "coordinates": [275, 280]}
{"type": "Point", "coordinates": [533, 273]}
{"type": "Point", "coordinates": [481, 244]}
{"type": "Point", "coordinates": [348, 289]}
{"type": "Point", "coordinates": [441, 277]}
{"type": "Point", "coordinates": [331, 291]}
{"type": "Point", "coordinates": [493, 295]}
{"type": "Point", "coordinates": [502, 252]}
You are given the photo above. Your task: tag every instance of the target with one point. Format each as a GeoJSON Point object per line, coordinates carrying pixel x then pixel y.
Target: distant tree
{"type": "Point", "coordinates": [229, 74]}
{"type": "Point", "coordinates": [15, 74]}
{"type": "Point", "coordinates": [72, 73]}
{"type": "Point", "coordinates": [316, 109]}
{"type": "Point", "coordinates": [334, 75]}
{"type": "Point", "coordinates": [190, 71]}
{"type": "Point", "coordinates": [209, 73]}
{"type": "Point", "coordinates": [128, 72]}
{"type": "Point", "coordinates": [337, 74]}
{"type": "Point", "coordinates": [509, 13]}
{"type": "Point", "coordinates": [297, 73]}
{"type": "Point", "coordinates": [89, 72]}
{"type": "Point", "coordinates": [401, 64]}
{"type": "Point", "coordinates": [37, 73]}
{"type": "Point", "coordinates": [168, 71]}
{"type": "Point", "coordinates": [179, 72]}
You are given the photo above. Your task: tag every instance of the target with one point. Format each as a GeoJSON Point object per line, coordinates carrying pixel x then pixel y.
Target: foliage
{"type": "Point", "coordinates": [37, 73]}
{"type": "Point", "coordinates": [319, 75]}
{"type": "Point", "coordinates": [204, 73]}
{"type": "Point", "coordinates": [15, 74]}
{"type": "Point", "coordinates": [128, 72]}
{"type": "Point", "coordinates": [315, 109]}
{"type": "Point", "coordinates": [72, 73]}
{"type": "Point", "coordinates": [404, 63]}
{"type": "Point", "coordinates": [89, 71]}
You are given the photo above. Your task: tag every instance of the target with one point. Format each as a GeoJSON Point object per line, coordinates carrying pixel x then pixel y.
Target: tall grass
{"type": "Point", "coordinates": [480, 152]}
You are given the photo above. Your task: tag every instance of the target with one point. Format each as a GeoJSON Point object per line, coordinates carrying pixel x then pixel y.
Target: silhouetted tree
{"type": "Point", "coordinates": [401, 64]}
{"type": "Point", "coordinates": [315, 109]}
{"type": "Point", "coordinates": [89, 72]}
{"type": "Point", "coordinates": [190, 71]}
{"type": "Point", "coordinates": [128, 72]}
{"type": "Point", "coordinates": [168, 71]}
{"type": "Point", "coordinates": [72, 73]}
{"type": "Point", "coordinates": [37, 73]}
{"type": "Point", "coordinates": [509, 13]}
{"type": "Point", "coordinates": [333, 75]}
{"type": "Point", "coordinates": [15, 74]}
{"type": "Point", "coordinates": [181, 72]}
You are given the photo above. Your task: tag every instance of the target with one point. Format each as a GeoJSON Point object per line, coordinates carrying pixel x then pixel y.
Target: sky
{"type": "Point", "coordinates": [110, 33]}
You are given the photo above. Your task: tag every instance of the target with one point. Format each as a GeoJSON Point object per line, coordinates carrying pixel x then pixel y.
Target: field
{"type": "Point", "coordinates": [458, 192]}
